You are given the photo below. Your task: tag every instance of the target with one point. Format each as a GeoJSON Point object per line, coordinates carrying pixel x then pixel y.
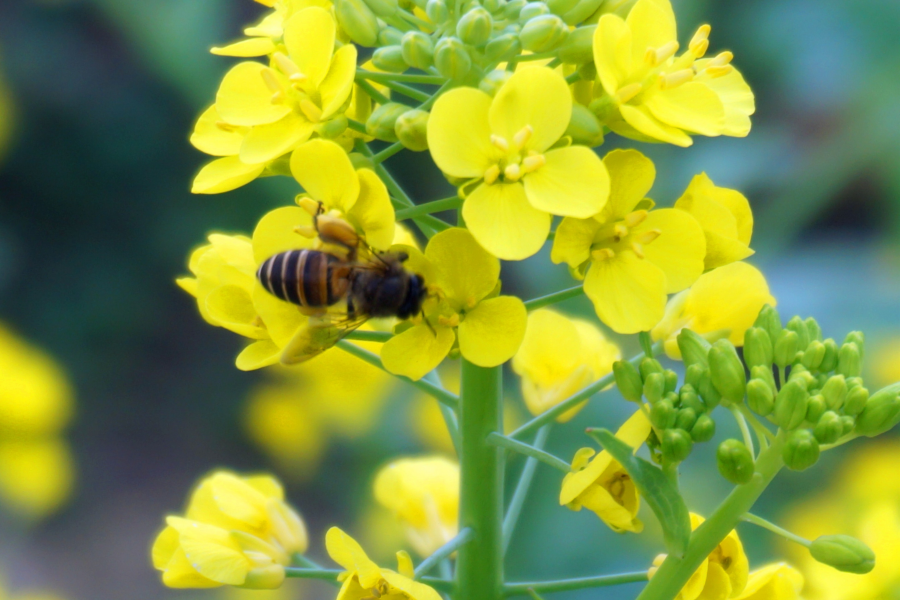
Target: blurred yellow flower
{"type": "Point", "coordinates": [650, 94]}
{"type": "Point", "coordinates": [6, 117]}
{"type": "Point", "coordinates": [559, 356]}
{"type": "Point", "coordinates": [505, 146]}
{"type": "Point", "coordinates": [602, 485]}
{"type": "Point", "coordinates": [25, 594]}
{"type": "Point", "coordinates": [236, 531]}
{"type": "Point", "coordinates": [723, 574]}
{"type": "Point", "coordinates": [364, 579]}
{"type": "Point", "coordinates": [630, 256]}
{"type": "Point", "coordinates": [883, 362]}
{"type": "Point", "coordinates": [773, 582]}
{"type": "Point", "coordinates": [423, 493]}
{"type": "Point", "coordinates": [722, 302]}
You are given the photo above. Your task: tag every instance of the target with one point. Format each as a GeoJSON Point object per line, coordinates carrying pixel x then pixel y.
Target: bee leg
{"type": "Point", "coordinates": [428, 323]}
{"type": "Point", "coordinates": [313, 311]}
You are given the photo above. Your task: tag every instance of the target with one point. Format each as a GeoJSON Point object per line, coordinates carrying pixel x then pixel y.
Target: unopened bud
{"type": "Point", "coordinates": [543, 33]}
{"type": "Point", "coordinates": [628, 380]}
{"type": "Point", "coordinates": [389, 36]}
{"type": "Point", "coordinates": [686, 419]}
{"type": "Point", "coordinates": [694, 349]}
{"type": "Point", "coordinates": [801, 450]}
{"type": "Point", "coordinates": [654, 386]}
{"type": "Point", "coordinates": [844, 553]}
{"type": "Point", "coordinates": [881, 413]}
{"type": "Point", "coordinates": [849, 360]}
{"type": "Point", "coordinates": [390, 59]}
{"type": "Point", "coordinates": [813, 355]}
{"type": "Point", "coordinates": [830, 360]}
{"type": "Point", "coordinates": [581, 11]}
{"type": "Point", "coordinates": [513, 8]}
{"type": "Point", "coordinates": [503, 47]}
{"type": "Point", "coordinates": [358, 21]}
{"type": "Point", "coordinates": [727, 371]}
{"type": "Point", "coordinates": [758, 349]}
{"type": "Point", "coordinates": [650, 365]}
{"type": "Point", "coordinates": [769, 320]}
{"type": "Point", "coordinates": [688, 398]}
{"type": "Point", "coordinates": [676, 445]}
{"type": "Point", "coordinates": [856, 400]}
{"type": "Point", "coordinates": [813, 329]}
{"type": "Point", "coordinates": [474, 28]}
{"type": "Point", "coordinates": [268, 577]}
{"type": "Point", "coordinates": [829, 429]}
{"type": "Point", "coordinates": [797, 325]}
{"type": "Point", "coordinates": [786, 346]}
{"type": "Point", "coordinates": [815, 408]}
{"type": "Point", "coordinates": [671, 380]}
{"type": "Point", "coordinates": [578, 47]}
{"type": "Point", "coordinates": [662, 414]}
{"type": "Point", "coordinates": [693, 375]}
{"type": "Point", "coordinates": [847, 424]}
{"type": "Point", "coordinates": [764, 373]}
{"type": "Point", "coordinates": [452, 59]}
{"type": "Point", "coordinates": [790, 405]}
{"type": "Point", "coordinates": [332, 128]}
{"type": "Point", "coordinates": [561, 7]}
{"type": "Point", "coordinates": [382, 8]}
{"type": "Point", "coordinates": [853, 382]}
{"type": "Point", "coordinates": [410, 129]}
{"type": "Point", "coordinates": [492, 6]}
{"type": "Point", "coordinates": [381, 124]}
{"type": "Point", "coordinates": [418, 49]}
{"type": "Point", "coordinates": [532, 10]}
{"type": "Point", "coordinates": [437, 11]}
{"type": "Point", "coordinates": [584, 127]}
{"type": "Point", "coordinates": [735, 461]}
{"type": "Point", "coordinates": [709, 393]}
{"type": "Point", "coordinates": [798, 371]}
{"type": "Point", "coordinates": [704, 429]}
{"type": "Point", "coordinates": [760, 397]}
{"type": "Point", "coordinates": [858, 338]}
{"type": "Point", "coordinates": [835, 392]}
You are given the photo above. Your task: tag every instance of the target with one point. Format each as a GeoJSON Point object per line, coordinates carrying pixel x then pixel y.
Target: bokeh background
{"type": "Point", "coordinates": [96, 221]}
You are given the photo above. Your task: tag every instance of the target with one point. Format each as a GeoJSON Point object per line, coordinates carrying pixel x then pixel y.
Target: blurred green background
{"type": "Point", "coordinates": [96, 220]}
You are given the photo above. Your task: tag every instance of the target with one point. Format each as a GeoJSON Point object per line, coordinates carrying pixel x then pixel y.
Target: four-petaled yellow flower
{"type": "Point", "coordinates": [364, 579]}
{"type": "Point", "coordinates": [236, 531]}
{"type": "Point", "coordinates": [723, 302]}
{"type": "Point", "coordinates": [423, 493]}
{"type": "Point", "coordinates": [504, 146]}
{"type": "Point", "coordinates": [779, 581]}
{"type": "Point", "coordinates": [723, 574]}
{"type": "Point", "coordinates": [559, 356]}
{"type": "Point", "coordinates": [650, 94]}
{"type": "Point", "coordinates": [463, 280]}
{"type": "Point", "coordinates": [631, 257]}
{"type": "Point", "coordinates": [602, 485]}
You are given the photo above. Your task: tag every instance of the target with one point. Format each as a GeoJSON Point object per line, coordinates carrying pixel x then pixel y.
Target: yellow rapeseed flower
{"type": "Point", "coordinates": [630, 256]}
{"type": "Point", "coordinates": [505, 150]}
{"type": "Point", "coordinates": [650, 94]}
{"type": "Point", "coordinates": [559, 356]}
{"type": "Point", "coordinates": [423, 494]}
{"type": "Point", "coordinates": [462, 307]}
{"type": "Point", "coordinates": [236, 531]}
{"type": "Point", "coordinates": [723, 574]}
{"type": "Point", "coordinates": [722, 302]}
{"type": "Point", "coordinates": [602, 485]}
{"type": "Point", "coordinates": [779, 581]}
{"type": "Point", "coordinates": [364, 579]}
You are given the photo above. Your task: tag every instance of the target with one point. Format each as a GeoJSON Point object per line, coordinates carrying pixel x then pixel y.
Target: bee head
{"type": "Point", "coordinates": [415, 295]}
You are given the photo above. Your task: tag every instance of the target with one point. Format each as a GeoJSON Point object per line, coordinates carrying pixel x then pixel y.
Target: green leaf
{"type": "Point", "coordinates": [653, 485]}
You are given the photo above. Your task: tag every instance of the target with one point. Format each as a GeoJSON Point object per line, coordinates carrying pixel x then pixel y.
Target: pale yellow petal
{"type": "Point", "coordinates": [212, 136]}
{"type": "Point", "coordinates": [211, 551]}
{"type": "Point", "coordinates": [373, 211]}
{"type": "Point", "coordinates": [411, 589]}
{"type": "Point", "coordinates": [335, 89]}
{"type": "Point", "coordinates": [276, 233]}
{"type": "Point", "coordinates": [550, 350]}
{"type": "Point", "coordinates": [249, 48]}
{"type": "Point", "coordinates": [259, 354]}
{"type": "Point", "coordinates": [652, 24]}
{"type": "Point", "coordinates": [326, 173]}
{"type": "Point", "coordinates": [629, 294]}
{"type": "Point", "coordinates": [463, 270]}
{"type": "Point", "coordinates": [736, 97]}
{"type": "Point", "coordinates": [309, 39]}
{"type": "Point", "coordinates": [347, 552]}
{"type": "Point", "coordinates": [417, 351]}
{"type": "Point", "coordinates": [572, 242]}
{"type": "Point", "coordinates": [230, 306]}
{"type": "Point", "coordinates": [612, 52]}
{"type": "Point", "coordinates": [492, 332]}
{"type": "Point", "coordinates": [647, 124]}
{"type": "Point", "coordinates": [223, 175]}
{"type": "Point", "coordinates": [461, 151]}
{"type": "Point", "coordinates": [282, 319]}
{"type": "Point", "coordinates": [538, 98]}
{"type": "Point", "coordinates": [692, 106]}
{"type": "Point", "coordinates": [264, 143]}
{"type": "Point", "coordinates": [572, 183]}
{"type": "Point", "coordinates": [680, 248]}
{"type": "Point", "coordinates": [631, 175]}
{"type": "Point", "coordinates": [245, 99]}
{"type": "Point", "coordinates": [504, 222]}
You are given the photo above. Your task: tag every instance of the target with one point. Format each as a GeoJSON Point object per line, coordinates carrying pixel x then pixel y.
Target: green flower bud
{"type": "Point", "coordinates": [813, 355]}
{"type": "Point", "coordinates": [764, 373]}
{"type": "Point", "coordinates": [849, 360]}
{"type": "Point", "coordinates": [578, 47]}
{"type": "Point", "coordinates": [694, 348]}
{"type": "Point", "coordinates": [561, 7]}
{"type": "Point", "coordinates": [813, 329]}
{"type": "Point", "coordinates": [829, 429]}
{"type": "Point", "coordinates": [847, 424]}
{"type": "Point", "coordinates": [437, 11]}
{"type": "Point", "coordinates": [671, 380]}
{"type": "Point", "coordinates": [676, 445]}
{"type": "Point", "coordinates": [333, 127]}
{"type": "Point", "coordinates": [689, 399]}
{"type": "Point", "coordinates": [503, 47]}
{"type": "Point", "coordinates": [760, 397]}
{"type": "Point", "coordinates": [358, 21]}
{"type": "Point", "coordinates": [686, 419]}
{"type": "Point", "coordinates": [704, 429]}
{"type": "Point", "coordinates": [844, 553]}
{"type": "Point", "coordinates": [801, 450]}
{"type": "Point", "coordinates": [389, 36]}
{"type": "Point", "coordinates": [709, 393]}
{"type": "Point", "coordinates": [858, 338]}
{"type": "Point", "coordinates": [830, 361]}
{"type": "Point", "coordinates": [588, 72]}
{"type": "Point", "coordinates": [853, 382]}
{"type": "Point", "coordinates": [758, 349]}
{"type": "Point", "coordinates": [390, 59]}
{"type": "Point", "coordinates": [673, 398]}
{"type": "Point", "coordinates": [492, 6]}
{"type": "Point", "coordinates": [790, 405]}
{"type": "Point", "coordinates": [797, 325]}
{"type": "Point", "coordinates": [452, 59]}
{"type": "Point", "coordinates": [815, 408]}
{"type": "Point", "coordinates": [381, 124]}
{"type": "Point", "coordinates": [799, 372]}
{"type": "Point", "coordinates": [410, 130]}
{"type": "Point", "coordinates": [513, 8]}
{"type": "Point", "coordinates": [881, 413]}
{"type": "Point", "coordinates": [735, 461]}
{"type": "Point", "coordinates": [532, 10]}
{"type": "Point", "coordinates": [727, 371]}
{"type": "Point", "coordinates": [769, 320]}
{"type": "Point", "coordinates": [628, 380]}
{"type": "Point", "coordinates": [650, 365]}
{"type": "Point", "coordinates": [418, 49]}
{"type": "Point", "coordinates": [694, 375]}
{"type": "Point", "coordinates": [835, 392]}
{"type": "Point", "coordinates": [581, 11]}
{"type": "Point", "coordinates": [543, 33]}
{"type": "Point", "coordinates": [383, 8]}
{"type": "Point", "coordinates": [474, 28]}
{"type": "Point", "coordinates": [786, 346]}
{"type": "Point", "coordinates": [654, 386]}
{"type": "Point", "coordinates": [584, 128]}
{"type": "Point", "coordinates": [856, 400]}
{"type": "Point", "coordinates": [662, 414]}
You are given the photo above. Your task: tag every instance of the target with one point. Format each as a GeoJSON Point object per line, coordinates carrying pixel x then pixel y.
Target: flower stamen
{"type": "Point", "coordinates": [700, 42]}
{"type": "Point", "coordinates": [657, 56]}
{"type": "Point", "coordinates": [601, 254]}
{"type": "Point", "coordinates": [500, 142]}
{"type": "Point", "coordinates": [491, 174]}
{"type": "Point", "coordinates": [522, 136]}
{"type": "Point", "coordinates": [673, 80]}
{"type": "Point", "coordinates": [628, 92]}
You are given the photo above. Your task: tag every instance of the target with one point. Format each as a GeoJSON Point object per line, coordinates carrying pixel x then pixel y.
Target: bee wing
{"type": "Point", "coordinates": [317, 336]}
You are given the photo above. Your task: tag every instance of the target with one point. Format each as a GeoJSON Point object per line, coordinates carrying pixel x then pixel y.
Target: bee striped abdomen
{"type": "Point", "coordinates": [304, 277]}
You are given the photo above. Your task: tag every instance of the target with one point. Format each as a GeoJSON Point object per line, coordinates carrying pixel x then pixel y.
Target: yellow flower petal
{"type": "Point", "coordinates": [164, 547]}
{"type": "Point", "coordinates": [224, 175]}
{"type": "Point", "coordinates": [282, 319]}
{"type": "Point", "coordinates": [572, 183]}
{"type": "Point", "coordinates": [680, 248]}
{"type": "Point", "coordinates": [647, 124]}
{"type": "Point", "coordinates": [572, 242]}
{"type": "Point", "coordinates": [264, 143]}
{"type": "Point", "coordinates": [309, 39]}
{"type": "Point", "coordinates": [411, 589]}
{"type": "Point", "coordinates": [257, 355]}
{"type": "Point", "coordinates": [373, 211]}
{"type": "Point", "coordinates": [417, 351]}
{"type": "Point", "coordinates": [461, 151]}
{"type": "Point", "coordinates": [35, 475]}
{"type": "Point", "coordinates": [629, 294]}
{"type": "Point", "coordinates": [652, 24]}
{"type": "Point", "coordinates": [180, 574]}
{"type": "Point", "coordinates": [463, 270]}
{"type": "Point", "coordinates": [335, 89]}
{"type": "Point", "coordinates": [736, 97]}
{"type": "Point", "coordinates": [550, 350]}
{"type": "Point", "coordinates": [718, 585]}
{"type": "Point", "coordinates": [230, 307]}
{"type": "Point", "coordinates": [245, 99]}
{"type": "Point", "coordinates": [276, 233]}
{"type": "Point", "coordinates": [347, 552]}
{"type": "Point", "coordinates": [631, 175]}
{"type": "Point", "coordinates": [326, 173]}
{"type": "Point", "coordinates": [250, 48]}
{"type": "Point", "coordinates": [211, 138]}
{"type": "Point", "coordinates": [212, 551]}
{"type": "Point", "coordinates": [492, 332]}
{"type": "Point", "coordinates": [779, 581]}
{"type": "Point", "coordinates": [691, 106]}
{"type": "Point", "coordinates": [504, 222]}
{"type": "Point", "coordinates": [538, 98]}
{"type": "Point", "coordinates": [612, 52]}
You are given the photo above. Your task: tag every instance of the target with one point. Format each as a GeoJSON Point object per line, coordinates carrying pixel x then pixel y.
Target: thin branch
{"type": "Point", "coordinates": [518, 498]}
{"type": "Point", "coordinates": [401, 77]}
{"type": "Point", "coordinates": [408, 91]}
{"type": "Point", "coordinates": [443, 552]}
{"type": "Point", "coordinates": [450, 418]}
{"type": "Point", "coordinates": [332, 575]}
{"type": "Point", "coordinates": [742, 424]}
{"type": "Point", "coordinates": [759, 521]}
{"type": "Point", "coordinates": [356, 126]}
{"type": "Point", "coordinates": [372, 92]}
{"type": "Point", "coordinates": [579, 583]}
{"type": "Point", "coordinates": [429, 207]}
{"type": "Point", "coordinates": [555, 297]}
{"type": "Point", "coordinates": [497, 439]}
{"type": "Point", "coordinates": [387, 152]}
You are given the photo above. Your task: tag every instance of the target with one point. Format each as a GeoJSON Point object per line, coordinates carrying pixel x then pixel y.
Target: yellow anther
{"type": "Point", "coordinates": [492, 173]}
{"type": "Point", "coordinates": [619, 231]}
{"type": "Point", "coordinates": [512, 172]}
{"type": "Point", "coordinates": [471, 302]}
{"type": "Point", "coordinates": [287, 66]}
{"type": "Point", "coordinates": [307, 231]}
{"type": "Point", "coordinates": [312, 112]}
{"type": "Point", "coordinates": [533, 163]}
{"type": "Point", "coordinates": [308, 204]}
{"type": "Point", "coordinates": [628, 92]}
{"type": "Point", "coordinates": [635, 218]}
{"type": "Point", "coordinates": [657, 56]}
{"type": "Point", "coordinates": [700, 42]}
{"type": "Point", "coordinates": [602, 254]}
{"type": "Point", "coordinates": [673, 80]}
{"type": "Point", "coordinates": [277, 98]}
{"type": "Point", "coordinates": [449, 321]}
{"type": "Point", "coordinates": [721, 59]}
{"type": "Point", "coordinates": [500, 142]}
{"type": "Point", "coordinates": [268, 76]}
{"type": "Point", "coordinates": [718, 71]}
{"type": "Point", "coordinates": [649, 236]}
{"type": "Point", "coordinates": [522, 136]}
{"type": "Point", "coordinates": [638, 249]}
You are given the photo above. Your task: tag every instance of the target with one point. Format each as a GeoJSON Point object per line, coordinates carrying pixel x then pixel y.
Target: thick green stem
{"type": "Point", "coordinates": [675, 572]}
{"type": "Point", "coordinates": [479, 568]}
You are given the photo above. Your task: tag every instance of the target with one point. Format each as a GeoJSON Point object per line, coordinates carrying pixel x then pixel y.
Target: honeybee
{"type": "Point", "coordinates": [315, 280]}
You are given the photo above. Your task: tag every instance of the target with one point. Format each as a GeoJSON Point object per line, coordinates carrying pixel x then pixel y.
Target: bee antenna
{"type": "Point", "coordinates": [428, 323]}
